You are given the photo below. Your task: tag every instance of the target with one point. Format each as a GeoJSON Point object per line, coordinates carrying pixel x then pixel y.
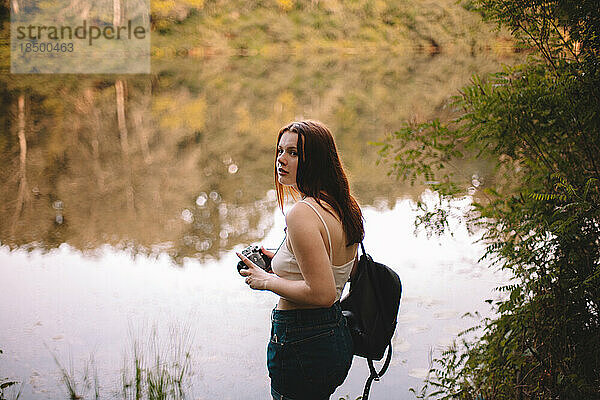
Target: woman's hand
{"type": "Point", "coordinates": [256, 277]}
{"type": "Point", "coordinates": [266, 252]}
{"type": "Point", "coordinates": [270, 255]}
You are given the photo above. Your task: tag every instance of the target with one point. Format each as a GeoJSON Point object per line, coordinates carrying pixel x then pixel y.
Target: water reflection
{"type": "Point", "coordinates": [108, 181]}
{"type": "Point", "coordinates": [181, 158]}
{"type": "Point", "coordinates": [69, 304]}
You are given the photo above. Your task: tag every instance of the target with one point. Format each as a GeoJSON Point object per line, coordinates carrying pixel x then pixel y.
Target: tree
{"type": "Point", "coordinates": [540, 212]}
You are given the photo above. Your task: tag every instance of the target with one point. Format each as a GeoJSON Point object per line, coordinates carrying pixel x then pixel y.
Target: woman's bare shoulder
{"type": "Point", "coordinates": [300, 214]}
{"type": "Point", "coordinates": [324, 208]}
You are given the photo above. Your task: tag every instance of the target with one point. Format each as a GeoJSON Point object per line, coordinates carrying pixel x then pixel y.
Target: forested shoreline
{"type": "Point", "coordinates": [540, 212]}
{"type": "Point", "coordinates": [84, 151]}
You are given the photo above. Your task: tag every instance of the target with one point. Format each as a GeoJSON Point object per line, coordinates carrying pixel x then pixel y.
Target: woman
{"type": "Point", "coordinates": [310, 350]}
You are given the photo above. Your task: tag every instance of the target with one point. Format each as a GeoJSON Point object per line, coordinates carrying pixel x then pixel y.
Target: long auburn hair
{"type": "Point", "coordinates": [320, 175]}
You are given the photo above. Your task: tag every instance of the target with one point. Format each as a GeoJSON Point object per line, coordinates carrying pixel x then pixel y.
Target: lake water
{"type": "Point", "coordinates": [123, 199]}
{"type": "Point", "coordinates": [76, 306]}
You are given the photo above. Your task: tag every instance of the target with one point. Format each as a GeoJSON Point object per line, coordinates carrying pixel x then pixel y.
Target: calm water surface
{"type": "Point", "coordinates": [123, 199]}
{"type": "Point", "coordinates": [77, 306]}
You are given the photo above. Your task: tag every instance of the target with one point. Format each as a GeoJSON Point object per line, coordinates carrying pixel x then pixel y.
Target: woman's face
{"type": "Point", "coordinates": [287, 158]}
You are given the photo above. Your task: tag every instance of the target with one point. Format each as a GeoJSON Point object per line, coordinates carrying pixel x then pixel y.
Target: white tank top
{"type": "Point", "coordinates": [285, 265]}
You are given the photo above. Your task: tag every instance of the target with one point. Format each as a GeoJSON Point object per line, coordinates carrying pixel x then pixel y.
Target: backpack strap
{"type": "Point", "coordinates": [378, 294]}
{"type": "Point", "coordinates": [354, 269]}
{"type": "Point", "coordinates": [374, 374]}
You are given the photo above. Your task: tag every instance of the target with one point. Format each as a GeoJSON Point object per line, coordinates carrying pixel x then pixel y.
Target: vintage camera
{"type": "Point", "coordinates": [257, 257]}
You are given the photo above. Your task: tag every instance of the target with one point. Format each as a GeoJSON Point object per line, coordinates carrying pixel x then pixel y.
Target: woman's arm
{"type": "Point", "coordinates": [318, 286]}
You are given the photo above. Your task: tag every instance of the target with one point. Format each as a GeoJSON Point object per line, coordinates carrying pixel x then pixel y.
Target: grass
{"type": "Point", "coordinates": [8, 388]}
{"type": "Point", "coordinates": [152, 369]}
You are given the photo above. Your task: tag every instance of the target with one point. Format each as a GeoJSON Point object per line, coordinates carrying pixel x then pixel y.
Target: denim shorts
{"type": "Point", "coordinates": [309, 353]}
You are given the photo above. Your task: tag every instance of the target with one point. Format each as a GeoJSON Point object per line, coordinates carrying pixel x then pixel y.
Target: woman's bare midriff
{"type": "Point", "coordinates": [285, 304]}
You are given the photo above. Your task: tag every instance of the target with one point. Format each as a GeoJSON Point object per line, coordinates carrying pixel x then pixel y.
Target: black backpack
{"type": "Point", "coordinates": [371, 308]}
